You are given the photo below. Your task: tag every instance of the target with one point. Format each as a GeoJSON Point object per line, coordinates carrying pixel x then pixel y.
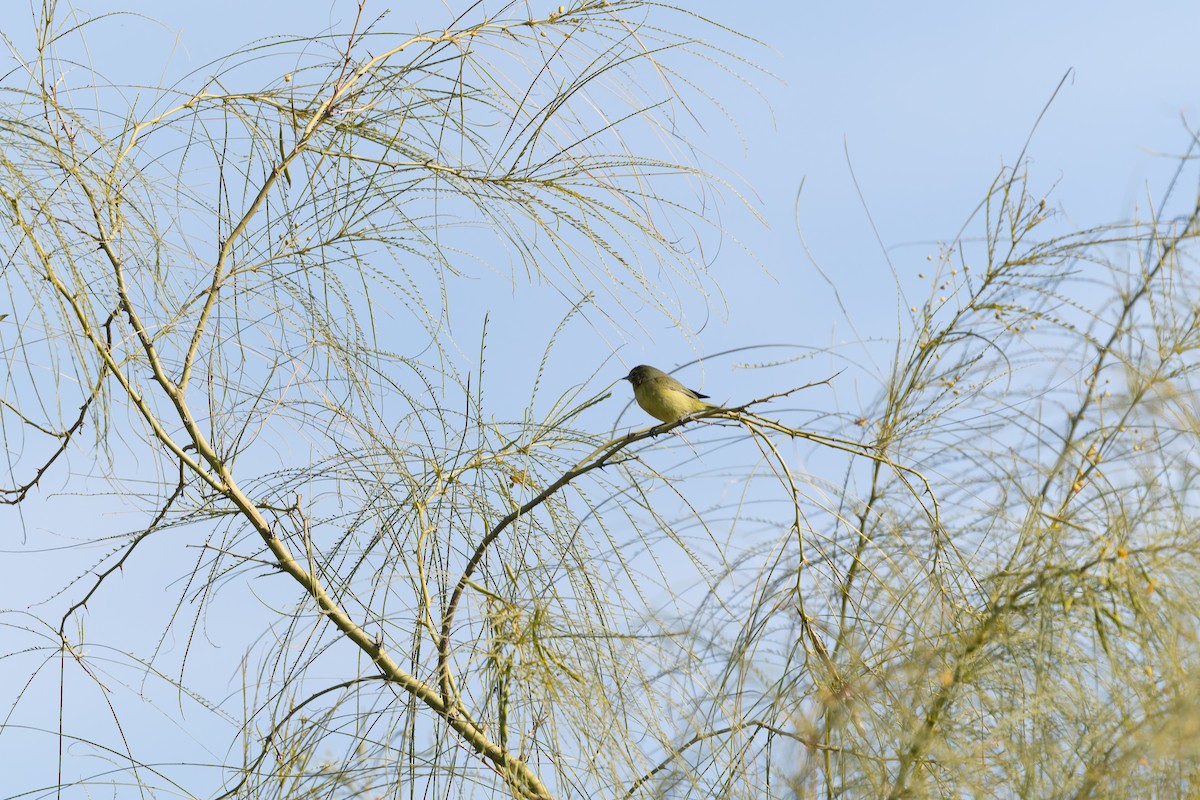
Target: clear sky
{"type": "Point", "coordinates": [925, 102]}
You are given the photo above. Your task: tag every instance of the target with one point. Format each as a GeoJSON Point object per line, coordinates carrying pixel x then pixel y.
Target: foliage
{"type": "Point", "coordinates": [233, 322]}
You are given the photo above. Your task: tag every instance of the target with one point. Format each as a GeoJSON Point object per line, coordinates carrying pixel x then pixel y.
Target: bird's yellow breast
{"type": "Point", "coordinates": [666, 402]}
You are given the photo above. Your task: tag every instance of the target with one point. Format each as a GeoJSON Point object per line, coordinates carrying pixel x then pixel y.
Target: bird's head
{"type": "Point", "coordinates": [642, 373]}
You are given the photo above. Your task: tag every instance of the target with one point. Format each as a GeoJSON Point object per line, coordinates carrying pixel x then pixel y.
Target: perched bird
{"type": "Point", "coordinates": [663, 397]}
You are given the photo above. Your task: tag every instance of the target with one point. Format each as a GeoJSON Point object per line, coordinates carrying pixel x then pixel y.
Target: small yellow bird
{"type": "Point", "coordinates": [663, 397]}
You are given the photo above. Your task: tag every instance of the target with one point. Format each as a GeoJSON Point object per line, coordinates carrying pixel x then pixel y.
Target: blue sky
{"type": "Point", "coordinates": [925, 102]}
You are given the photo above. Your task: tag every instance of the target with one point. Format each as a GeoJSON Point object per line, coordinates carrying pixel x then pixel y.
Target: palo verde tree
{"type": "Point", "coordinates": [231, 311]}
{"type": "Point", "coordinates": [1039, 638]}
{"type": "Point", "coordinates": [232, 360]}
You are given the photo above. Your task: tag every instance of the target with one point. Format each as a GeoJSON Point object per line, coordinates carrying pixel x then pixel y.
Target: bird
{"type": "Point", "coordinates": [663, 397]}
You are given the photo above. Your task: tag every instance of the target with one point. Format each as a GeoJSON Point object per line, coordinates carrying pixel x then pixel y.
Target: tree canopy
{"type": "Point", "coordinates": [293, 550]}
